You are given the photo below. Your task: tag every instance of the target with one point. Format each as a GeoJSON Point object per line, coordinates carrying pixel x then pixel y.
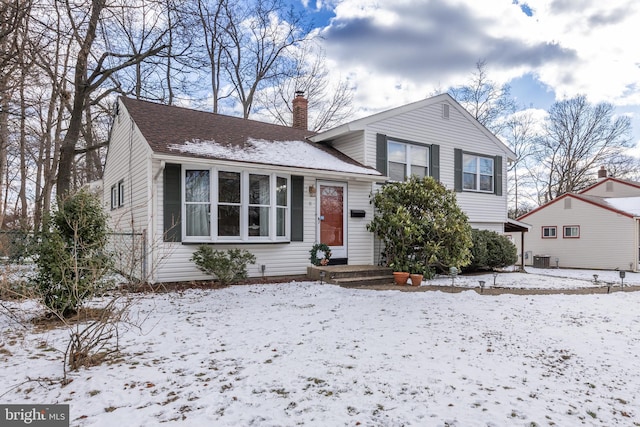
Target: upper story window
{"type": "Point", "coordinates": [398, 158]}
{"type": "Point", "coordinates": [407, 159]}
{"type": "Point", "coordinates": [478, 173]}
{"type": "Point", "coordinates": [228, 205]}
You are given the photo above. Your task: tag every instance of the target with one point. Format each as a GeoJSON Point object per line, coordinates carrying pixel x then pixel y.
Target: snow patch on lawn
{"type": "Point", "coordinates": [540, 278]}
{"type": "Point", "coordinates": [311, 354]}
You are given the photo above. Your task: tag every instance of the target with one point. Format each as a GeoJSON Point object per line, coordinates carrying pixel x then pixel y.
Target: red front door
{"type": "Point", "coordinates": [332, 218]}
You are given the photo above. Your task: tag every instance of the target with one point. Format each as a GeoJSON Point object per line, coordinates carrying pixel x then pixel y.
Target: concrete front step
{"type": "Point", "coordinates": [352, 275]}
{"type": "Point", "coordinates": [349, 282]}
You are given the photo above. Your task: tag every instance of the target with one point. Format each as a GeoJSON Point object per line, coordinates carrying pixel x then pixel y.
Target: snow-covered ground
{"type": "Point", "coordinates": [320, 355]}
{"type": "Point", "coordinates": [542, 278]}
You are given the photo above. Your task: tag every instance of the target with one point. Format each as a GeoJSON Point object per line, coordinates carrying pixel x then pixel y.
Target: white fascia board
{"type": "Point", "coordinates": [320, 173]}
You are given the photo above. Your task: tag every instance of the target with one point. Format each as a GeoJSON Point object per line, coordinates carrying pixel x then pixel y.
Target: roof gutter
{"type": "Point", "coordinates": [320, 173]}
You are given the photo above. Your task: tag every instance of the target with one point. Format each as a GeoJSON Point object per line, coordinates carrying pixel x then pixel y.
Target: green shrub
{"type": "Point", "coordinates": [227, 266]}
{"type": "Point", "coordinates": [70, 254]}
{"type": "Point", "coordinates": [491, 250]}
{"type": "Point", "coordinates": [421, 226]}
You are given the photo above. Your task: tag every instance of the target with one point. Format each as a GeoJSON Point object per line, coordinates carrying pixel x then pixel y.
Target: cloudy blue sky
{"type": "Point", "coordinates": [399, 51]}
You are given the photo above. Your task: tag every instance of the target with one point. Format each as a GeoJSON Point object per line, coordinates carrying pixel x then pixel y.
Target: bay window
{"type": "Point", "coordinates": [197, 202]}
{"type": "Point", "coordinates": [229, 204]}
{"type": "Point", "coordinates": [259, 205]}
{"type": "Point", "coordinates": [235, 206]}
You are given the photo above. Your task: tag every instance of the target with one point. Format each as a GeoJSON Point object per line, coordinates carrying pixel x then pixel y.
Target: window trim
{"type": "Point", "coordinates": [407, 164]}
{"type": "Point", "coordinates": [549, 227]}
{"type": "Point", "coordinates": [121, 194]}
{"type": "Point", "coordinates": [498, 172]}
{"type": "Point", "coordinates": [566, 227]}
{"type": "Point", "coordinates": [114, 197]}
{"type": "Point", "coordinates": [117, 195]}
{"type": "Point", "coordinates": [244, 207]}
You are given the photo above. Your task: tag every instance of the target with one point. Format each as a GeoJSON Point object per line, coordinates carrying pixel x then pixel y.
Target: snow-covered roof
{"type": "Point", "coordinates": [298, 154]}
{"type": "Point", "coordinates": [171, 130]}
{"type": "Point", "coordinates": [630, 205]}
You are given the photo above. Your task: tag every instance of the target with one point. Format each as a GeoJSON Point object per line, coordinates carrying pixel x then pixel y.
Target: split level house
{"type": "Point", "coordinates": [177, 178]}
{"type": "Point", "coordinates": [596, 228]}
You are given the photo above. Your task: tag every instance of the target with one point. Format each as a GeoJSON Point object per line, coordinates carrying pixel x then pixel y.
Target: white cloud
{"type": "Point", "coordinates": [404, 50]}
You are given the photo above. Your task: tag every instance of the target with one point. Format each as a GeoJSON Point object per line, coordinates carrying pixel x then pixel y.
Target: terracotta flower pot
{"type": "Point", "coordinates": [416, 279]}
{"type": "Point", "coordinates": [400, 277]}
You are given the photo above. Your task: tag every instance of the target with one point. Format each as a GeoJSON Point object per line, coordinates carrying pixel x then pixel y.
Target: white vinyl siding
{"type": "Point", "coordinates": [352, 146]}
{"type": "Point", "coordinates": [617, 189]}
{"type": "Point", "coordinates": [426, 125]}
{"type": "Point", "coordinates": [279, 259]}
{"type": "Point", "coordinates": [606, 240]}
{"type": "Point", "coordinates": [128, 171]}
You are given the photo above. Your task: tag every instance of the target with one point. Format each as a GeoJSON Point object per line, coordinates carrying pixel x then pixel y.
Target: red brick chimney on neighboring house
{"type": "Point", "coordinates": [300, 104]}
{"type": "Point", "coordinates": [602, 173]}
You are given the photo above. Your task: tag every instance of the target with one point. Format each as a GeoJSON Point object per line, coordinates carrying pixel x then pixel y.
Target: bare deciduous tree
{"type": "Point", "coordinates": [328, 105]}
{"type": "Point", "coordinates": [578, 138]}
{"type": "Point", "coordinates": [13, 17]}
{"type": "Point", "coordinates": [257, 36]}
{"type": "Point", "coordinates": [90, 74]}
{"type": "Point", "coordinates": [485, 100]}
{"type": "Point", "coordinates": [520, 133]}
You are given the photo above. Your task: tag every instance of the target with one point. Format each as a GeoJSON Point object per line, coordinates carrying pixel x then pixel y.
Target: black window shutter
{"type": "Point", "coordinates": [435, 162]}
{"type": "Point", "coordinates": [457, 169]}
{"type": "Point", "coordinates": [497, 165]}
{"type": "Point", "coordinates": [172, 202]}
{"type": "Point", "coordinates": [297, 208]}
{"type": "Point", "coordinates": [381, 153]}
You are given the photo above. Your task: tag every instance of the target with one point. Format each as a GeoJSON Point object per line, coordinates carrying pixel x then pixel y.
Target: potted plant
{"type": "Point", "coordinates": [400, 272]}
{"type": "Point", "coordinates": [416, 271]}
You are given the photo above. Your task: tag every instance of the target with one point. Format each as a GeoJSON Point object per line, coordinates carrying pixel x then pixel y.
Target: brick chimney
{"type": "Point", "coordinates": [300, 104]}
{"type": "Point", "coordinates": [602, 173]}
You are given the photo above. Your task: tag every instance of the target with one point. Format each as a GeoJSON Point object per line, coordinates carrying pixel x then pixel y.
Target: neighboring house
{"type": "Point", "coordinates": [597, 228]}
{"type": "Point", "coordinates": [176, 178]}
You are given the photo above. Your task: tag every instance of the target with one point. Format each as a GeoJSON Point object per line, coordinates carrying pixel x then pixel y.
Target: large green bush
{"type": "Point", "coordinates": [491, 250]}
{"type": "Point", "coordinates": [70, 255]}
{"type": "Point", "coordinates": [227, 266]}
{"type": "Point", "coordinates": [421, 226]}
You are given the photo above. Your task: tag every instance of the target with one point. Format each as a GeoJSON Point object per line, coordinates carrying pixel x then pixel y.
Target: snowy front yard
{"type": "Point", "coordinates": [310, 354]}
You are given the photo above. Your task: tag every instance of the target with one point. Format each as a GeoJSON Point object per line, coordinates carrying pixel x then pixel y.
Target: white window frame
{"type": "Point", "coordinates": [184, 202]}
{"type": "Point", "coordinates": [550, 227]}
{"type": "Point", "coordinates": [477, 173]}
{"type": "Point", "coordinates": [244, 207]}
{"type": "Point", "coordinates": [570, 227]}
{"type": "Point", "coordinates": [407, 163]}
{"type": "Point", "coordinates": [114, 196]}
{"type": "Point", "coordinates": [121, 194]}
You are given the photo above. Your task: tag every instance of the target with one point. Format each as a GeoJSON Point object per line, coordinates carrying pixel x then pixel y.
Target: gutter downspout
{"type": "Point", "coordinates": [636, 246]}
{"type": "Point", "coordinates": [522, 251]}
{"type": "Point", "coordinates": [151, 237]}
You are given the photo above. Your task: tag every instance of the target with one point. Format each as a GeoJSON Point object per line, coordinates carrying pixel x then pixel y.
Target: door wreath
{"type": "Point", "coordinates": [320, 247]}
